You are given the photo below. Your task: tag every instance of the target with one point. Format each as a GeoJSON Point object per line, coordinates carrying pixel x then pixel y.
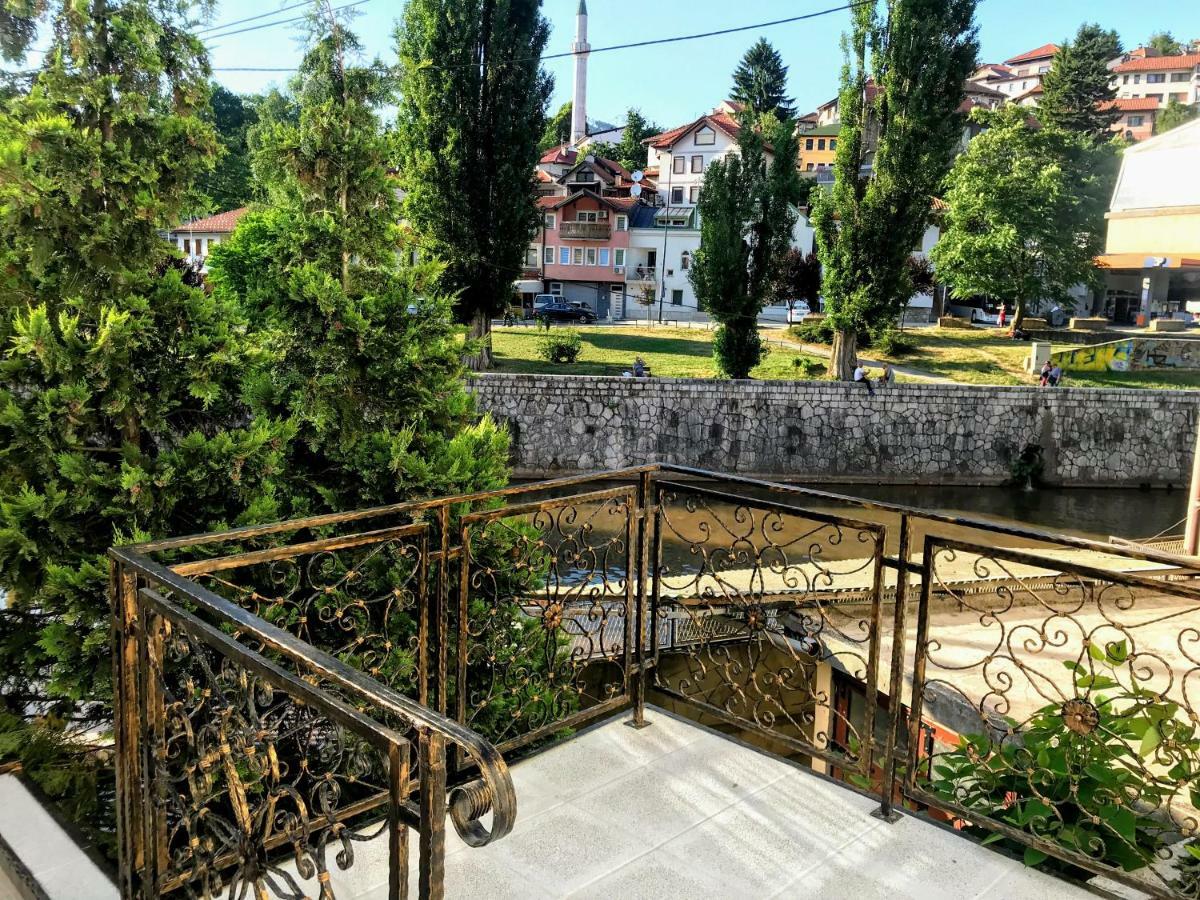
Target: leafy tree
{"type": "Point", "coordinates": [473, 101]}
{"type": "Point", "coordinates": [1174, 115]}
{"type": "Point", "coordinates": [760, 81]}
{"type": "Point", "coordinates": [229, 184]}
{"type": "Point", "coordinates": [797, 277]}
{"type": "Point", "coordinates": [904, 131]}
{"type": "Point", "coordinates": [747, 212]}
{"type": "Point", "coordinates": [629, 151]}
{"type": "Point", "coordinates": [557, 130]}
{"type": "Point", "coordinates": [365, 363]}
{"type": "Point", "coordinates": [120, 415]}
{"type": "Point", "coordinates": [1164, 42]}
{"type": "Point", "coordinates": [1023, 202]}
{"type": "Point", "coordinates": [1078, 89]}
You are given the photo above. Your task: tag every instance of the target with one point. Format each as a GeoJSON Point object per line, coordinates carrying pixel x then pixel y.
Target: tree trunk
{"type": "Point", "coordinates": [1018, 317]}
{"type": "Point", "coordinates": [481, 333]}
{"type": "Point", "coordinates": [844, 356]}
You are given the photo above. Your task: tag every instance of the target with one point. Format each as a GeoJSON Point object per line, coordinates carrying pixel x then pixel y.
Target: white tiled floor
{"type": "Point", "coordinates": [676, 811]}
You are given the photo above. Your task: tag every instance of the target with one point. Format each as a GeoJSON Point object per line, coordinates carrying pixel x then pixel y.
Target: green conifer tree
{"type": "Point", "coordinates": [1078, 89]}
{"type": "Point", "coordinates": [760, 81]}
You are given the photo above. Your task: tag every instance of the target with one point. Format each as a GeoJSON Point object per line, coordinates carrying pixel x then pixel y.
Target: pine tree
{"type": "Point", "coordinates": [473, 99]}
{"type": "Point", "coordinates": [229, 184]}
{"type": "Point", "coordinates": [364, 359]}
{"type": "Point", "coordinates": [1164, 42]}
{"type": "Point", "coordinates": [747, 212]}
{"type": "Point", "coordinates": [903, 130]}
{"type": "Point", "coordinates": [760, 81]}
{"type": "Point", "coordinates": [1078, 90]}
{"type": "Point", "coordinates": [119, 380]}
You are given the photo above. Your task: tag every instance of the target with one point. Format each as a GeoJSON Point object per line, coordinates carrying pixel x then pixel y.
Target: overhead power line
{"type": "Point", "coordinates": [274, 12]}
{"type": "Point", "coordinates": [280, 22]}
{"type": "Point", "coordinates": [594, 50]}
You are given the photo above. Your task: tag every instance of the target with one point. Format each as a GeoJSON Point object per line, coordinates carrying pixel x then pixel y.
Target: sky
{"type": "Point", "coordinates": [674, 83]}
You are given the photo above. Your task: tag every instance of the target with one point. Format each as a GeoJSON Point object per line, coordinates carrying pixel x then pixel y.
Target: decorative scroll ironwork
{"type": "Point", "coordinates": [757, 596]}
{"type": "Point", "coordinates": [544, 622]}
{"type": "Point", "coordinates": [1073, 695]}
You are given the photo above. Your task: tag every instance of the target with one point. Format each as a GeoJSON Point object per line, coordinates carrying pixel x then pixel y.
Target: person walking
{"type": "Point", "coordinates": [1003, 315]}
{"type": "Point", "coordinates": [861, 373]}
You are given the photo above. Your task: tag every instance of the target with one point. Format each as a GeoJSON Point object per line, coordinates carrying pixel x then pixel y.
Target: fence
{"type": "Point", "coordinates": [289, 694]}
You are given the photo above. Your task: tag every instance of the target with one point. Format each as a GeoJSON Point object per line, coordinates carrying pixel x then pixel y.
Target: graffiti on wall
{"type": "Point", "coordinates": [1131, 355]}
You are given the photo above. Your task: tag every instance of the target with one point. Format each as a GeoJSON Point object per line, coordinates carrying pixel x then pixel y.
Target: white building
{"type": "Point", "coordinates": [196, 238]}
{"type": "Point", "coordinates": [1160, 78]}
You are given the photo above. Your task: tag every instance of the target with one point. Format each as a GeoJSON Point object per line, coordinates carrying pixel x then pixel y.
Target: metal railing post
{"type": "Point", "coordinates": [896, 685]}
{"type": "Point", "coordinates": [432, 762]}
{"type": "Point", "coordinates": [398, 767]}
{"type": "Point", "coordinates": [638, 675]}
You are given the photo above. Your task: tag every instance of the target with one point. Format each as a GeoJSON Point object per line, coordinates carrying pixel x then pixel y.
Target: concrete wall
{"type": "Point", "coordinates": [1132, 355]}
{"type": "Point", "coordinates": [834, 432]}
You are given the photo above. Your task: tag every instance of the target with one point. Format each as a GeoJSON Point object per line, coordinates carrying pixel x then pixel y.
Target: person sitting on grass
{"type": "Point", "coordinates": [861, 374]}
{"type": "Point", "coordinates": [639, 368]}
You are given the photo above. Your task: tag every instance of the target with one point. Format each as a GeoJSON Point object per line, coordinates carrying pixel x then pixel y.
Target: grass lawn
{"type": "Point", "coordinates": [669, 352]}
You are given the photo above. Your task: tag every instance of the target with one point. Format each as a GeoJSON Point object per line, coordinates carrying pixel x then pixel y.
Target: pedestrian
{"type": "Point", "coordinates": [1055, 375]}
{"type": "Point", "coordinates": [1046, 372]}
{"type": "Point", "coordinates": [861, 374]}
{"type": "Point", "coordinates": [889, 375]}
{"type": "Point", "coordinates": [1003, 315]}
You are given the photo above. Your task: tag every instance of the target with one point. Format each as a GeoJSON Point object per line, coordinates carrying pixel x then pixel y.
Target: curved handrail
{"type": "Point", "coordinates": [467, 804]}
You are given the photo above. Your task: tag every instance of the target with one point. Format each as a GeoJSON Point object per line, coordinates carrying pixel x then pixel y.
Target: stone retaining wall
{"type": "Point", "coordinates": [834, 431]}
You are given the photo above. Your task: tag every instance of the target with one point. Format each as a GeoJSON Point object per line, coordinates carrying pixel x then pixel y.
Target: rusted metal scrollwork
{"type": "Point", "coordinates": [755, 603]}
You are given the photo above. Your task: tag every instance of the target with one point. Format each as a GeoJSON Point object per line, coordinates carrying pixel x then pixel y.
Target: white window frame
{"type": "Point", "coordinates": [531, 253]}
{"type": "Point", "coordinates": [605, 254]}
{"type": "Point", "coordinates": [1156, 78]}
{"type": "Point", "coordinates": [694, 194]}
{"type": "Point", "coordinates": [590, 256]}
{"type": "Point", "coordinates": [585, 215]}
{"type": "Point", "coordinates": [685, 260]}
{"type": "Point", "coordinates": [619, 256]}
{"type": "Point", "coordinates": [564, 256]}
{"type": "Point", "coordinates": [556, 288]}
{"type": "Point", "coordinates": [679, 165]}
{"type": "Point", "coordinates": [698, 164]}
{"type": "Point", "coordinates": [549, 222]}
{"type": "Point", "coordinates": [1136, 121]}
{"type": "Point", "coordinates": [548, 256]}
{"type": "Point", "coordinates": [622, 223]}
{"type": "Point", "coordinates": [577, 256]}
{"type": "Point", "coordinates": [704, 137]}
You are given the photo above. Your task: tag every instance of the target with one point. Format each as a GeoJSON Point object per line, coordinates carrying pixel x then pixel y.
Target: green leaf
{"type": "Point", "coordinates": [1096, 653]}
{"type": "Point", "coordinates": [1035, 857]}
{"type": "Point", "coordinates": [1150, 741]}
{"type": "Point", "coordinates": [992, 838]}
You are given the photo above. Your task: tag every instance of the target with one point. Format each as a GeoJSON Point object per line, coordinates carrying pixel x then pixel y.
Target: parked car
{"type": "Point", "coordinates": [797, 310]}
{"type": "Point", "coordinates": [543, 300]}
{"type": "Point", "coordinates": [565, 312]}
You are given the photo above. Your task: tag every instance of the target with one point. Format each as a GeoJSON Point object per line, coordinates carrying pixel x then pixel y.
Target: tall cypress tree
{"type": "Point", "coordinates": [1078, 90]}
{"type": "Point", "coordinates": [473, 100]}
{"type": "Point", "coordinates": [364, 359]}
{"type": "Point", "coordinates": [119, 380]}
{"type": "Point", "coordinates": [760, 81]}
{"type": "Point", "coordinates": [895, 146]}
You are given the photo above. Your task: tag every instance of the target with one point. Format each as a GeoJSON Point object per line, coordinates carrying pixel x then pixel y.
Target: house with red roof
{"type": "Point", "coordinates": [194, 239]}
{"type": "Point", "coordinates": [1137, 116]}
{"type": "Point", "coordinates": [1017, 77]}
{"type": "Point", "coordinates": [1162, 78]}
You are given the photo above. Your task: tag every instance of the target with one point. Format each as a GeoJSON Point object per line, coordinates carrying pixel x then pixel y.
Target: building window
{"type": "Point", "coordinates": [679, 165]}
{"type": "Point", "coordinates": [591, 256]}
{"type": "Point", "coordinates": [548, 257]}
{"type": "Point", "coordinates": [1157, 97]}
{"type": "Point", "coordinates": [556, 288]}
{"type": "Point", "coordinates": [187, 246]}
{"type": "Point", "coordinates": [549, 222]}
{"type": "Point", "coordinates": [1137, 79]}
{"type": "Point", "coordinates": [1135, 121]}
{"type": "Point", "coordinates": [697, 164]}
{"type": "Point", "coordinates": [677, 297]}
{"type": "Point", "coordinates": [585, 216]}
{"type": "Point", "coordinates": [531, 257]}
{"type": "Point", "coordinates": [705, 137]}
{"type": "Point", "coordinates": [685, 260]}
{"type": "Point", "coordinates": [1043, 69]}
{"type": "Point", "coordinates": [677, 195]}
{"type": "Point", "coordinates": [1179, 98]}
{"type": "Point", "coordinates": [1180, 76]}
{"type": "Point", "coordinates": [622, 223]}
{"type": "Point", "coordinates": [694, 194]}
{"type": "Point", "coordinates": [619, 256]}
{"type": "Point", "coordinates": [1124, 79]}
{"type": "Point", "coordinates": [564, 256]}
{"type": "Point", "coordinates": [584, 175]}
{"type": "Point", "coordinates": [577, 256]}
{"type": "Point", "coordinates": [833, 143]}
{"type": "Point", "coordinates": [808, 143]}
{"type": "Point", "coordinates": [1156, 78]}
{"type": "Point", "coordinates": [809, 167]}
{"type": "Point", "coordinates": [604, 255]}
{"type": "Point", "coordinates": [821, 144]}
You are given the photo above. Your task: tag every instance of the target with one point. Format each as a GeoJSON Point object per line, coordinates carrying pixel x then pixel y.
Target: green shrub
{"type": "Point", "coordinates": [560, 345]}
{"type": "Point", "coordinates": [737, 350]}
{"type": "Point", "coordinates": [807, 367]}
{"type": "Point", "coordinates": [893, 342]}
{"type": "Point", "coordinates": [818, 331]}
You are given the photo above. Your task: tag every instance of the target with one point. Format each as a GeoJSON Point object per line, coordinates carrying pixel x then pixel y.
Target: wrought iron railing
{"type": "Point", "coordinates": [288, 693]}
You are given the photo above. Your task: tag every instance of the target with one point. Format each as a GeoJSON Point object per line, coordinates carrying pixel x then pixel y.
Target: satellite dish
{"type": "Point", "coordinates": [637, 175]}
{"type": "Point", "coordinates": [635, 191]}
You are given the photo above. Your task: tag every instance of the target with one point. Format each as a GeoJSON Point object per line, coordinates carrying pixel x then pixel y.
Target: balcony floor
{"type": "Point", "coordinates": [676, 810]}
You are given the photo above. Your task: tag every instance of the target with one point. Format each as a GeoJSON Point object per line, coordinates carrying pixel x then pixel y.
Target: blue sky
{"type": "Point", "coordinates": [673, 84]}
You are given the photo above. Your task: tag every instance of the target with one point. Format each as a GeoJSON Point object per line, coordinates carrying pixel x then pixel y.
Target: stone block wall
{"type": "Point", "coordinates": [831, 431]}
{"type": "Point", "coordinates": [1135, 354]}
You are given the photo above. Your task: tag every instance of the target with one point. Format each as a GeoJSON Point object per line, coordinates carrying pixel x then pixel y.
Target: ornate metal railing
{"type": "Point", "coordinates": [294, 698]}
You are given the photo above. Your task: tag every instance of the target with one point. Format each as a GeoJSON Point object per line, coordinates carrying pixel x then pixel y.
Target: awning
{"type": "Point", "coordinates": [1143, 261]}
{"type": "Point", "coordinates": [674, 212]}
{"type": "Point", "coordinates": [528, 286]}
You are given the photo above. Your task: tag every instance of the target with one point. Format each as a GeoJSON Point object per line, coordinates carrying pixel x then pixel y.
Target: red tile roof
{"type": "Point", "coordinates": [1131, 104]}
{"type": "Point", "coordinates": [560, 155]}
{"type": "Point", "coordinates": [549, 202]}
{"type": "Point", "coordinates": [1040, 53]}
{"type": "Point", "coordinates": [221, 223]}
{"type": "Point", "coordinates": [721, 120]}
{"type": "Point", "coordinates": [1160, 63]}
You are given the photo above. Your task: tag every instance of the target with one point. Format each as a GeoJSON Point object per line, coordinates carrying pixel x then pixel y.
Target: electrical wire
{"type": "Point", "coordinates": [649, 43]}
{"type": "Point", "coordinates": [275, 12]}
{"type": "Point", "coordinates": [224, 34]}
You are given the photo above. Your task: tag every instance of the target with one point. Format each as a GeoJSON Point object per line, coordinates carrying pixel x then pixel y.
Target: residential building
{"type": "Point", "coordinates": [196, 238]}
{"type": "Point", "coordinates": [1137, 116]}
{"type": "Point", "coordinates": [583, 248]}
{"type": "Point", "coordinates": [1151, 261]}
{"type": "Point", "coordinates": [1160, 78]}
{"type": "Point", "coordinates": [1017, 76]}
{"type": "Point", "coordinates": [818, 148]}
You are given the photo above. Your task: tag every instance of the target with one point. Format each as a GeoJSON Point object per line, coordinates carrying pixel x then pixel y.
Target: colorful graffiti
{"type": "Point", "coordinates": [1131, 355]}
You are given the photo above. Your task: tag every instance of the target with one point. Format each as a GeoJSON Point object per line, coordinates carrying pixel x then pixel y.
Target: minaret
{"type": "Point", "coordinates": [579, 104]}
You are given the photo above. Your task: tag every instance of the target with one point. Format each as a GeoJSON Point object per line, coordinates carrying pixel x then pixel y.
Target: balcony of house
{"type": "Point", "coordinates": [585, 231]}
{"type": "Point", "coordinates": [642, 274]}
{"type": "Point", "coordinates": [829, 696]}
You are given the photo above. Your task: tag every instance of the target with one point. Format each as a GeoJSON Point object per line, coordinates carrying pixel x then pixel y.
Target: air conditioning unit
{"type": "Point", "coordinates": [618, 269]}
{"type": "Point", "coordinates": [603, 214]}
